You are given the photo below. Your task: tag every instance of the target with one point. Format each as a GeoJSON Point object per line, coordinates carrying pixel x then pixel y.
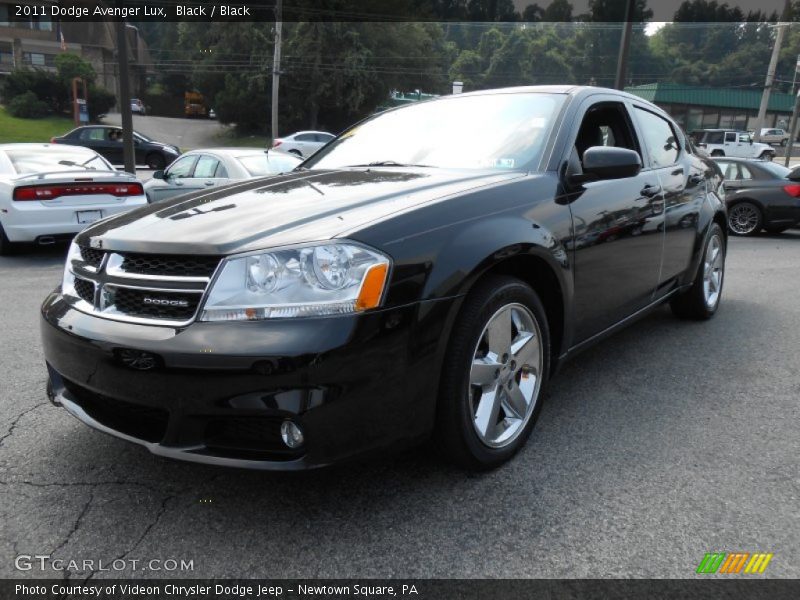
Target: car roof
{"type": "Point", "coordinates": [233, 151]}
{"type": "Point", "coordinates": [309, 131]}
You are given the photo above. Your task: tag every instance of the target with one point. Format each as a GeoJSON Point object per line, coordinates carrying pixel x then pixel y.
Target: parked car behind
{"type": "Point", "coordinates": [760, 195]}
{"type": "Point", "coordinates": [202, 169]}
{"type": "Point", "coordinates": [137, 106]}
{"type": "Point", "coordinates": [407, 283]}
{"type": "Point", "coordinates": [51, 192]}
{"type": "Point", "coordinates": [729, 142]}
{"type": "Point", "coordinates": [303, 143]}
{"type": "Point", "coordinates": [775, 136]}
{"type": "Point", "coordinates": [106, 140]}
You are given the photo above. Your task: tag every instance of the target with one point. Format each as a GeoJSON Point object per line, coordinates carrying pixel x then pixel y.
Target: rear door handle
{"type": "Point", "coordinates": [649, 190]}
{"type": "Point", "coordinates": [209, 183]}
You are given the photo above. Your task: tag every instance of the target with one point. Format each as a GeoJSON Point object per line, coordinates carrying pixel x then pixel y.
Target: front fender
{"type": "Point", "coordinates": [481, 245]}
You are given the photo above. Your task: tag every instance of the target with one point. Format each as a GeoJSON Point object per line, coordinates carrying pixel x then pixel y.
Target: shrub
{"type": "Point", "coordinates": [100, 101]}
{"type": "Point", "coordinates": [27, 106]}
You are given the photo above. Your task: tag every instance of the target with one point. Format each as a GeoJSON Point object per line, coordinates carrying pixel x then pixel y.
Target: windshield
{"type": "Point", "coordinates": [38, 161]}
{"type": "Point", "coordinates": [778, 171]}
{"type": "Point", "coordinates": [492, 131]}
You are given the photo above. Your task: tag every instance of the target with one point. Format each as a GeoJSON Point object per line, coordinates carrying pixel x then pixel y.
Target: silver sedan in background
{"type": "Point", "coordinates": [201, 169]}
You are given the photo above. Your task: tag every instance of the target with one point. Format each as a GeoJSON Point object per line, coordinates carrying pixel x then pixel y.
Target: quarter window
{"type": "Point", "coordinates": [658, 137]}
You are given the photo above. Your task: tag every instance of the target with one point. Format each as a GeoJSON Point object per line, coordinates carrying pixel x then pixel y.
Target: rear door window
{"type": "Point", "coordinates": [206, 167]}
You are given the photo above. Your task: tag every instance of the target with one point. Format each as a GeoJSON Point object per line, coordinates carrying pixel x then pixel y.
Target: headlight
{"type": "Point", "coordinates": [325, 279]}
{"type": "Point", "coordinates": [68, 280]}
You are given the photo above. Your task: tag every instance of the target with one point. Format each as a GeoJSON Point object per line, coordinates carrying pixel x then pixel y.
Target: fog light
{"type": "Point", "coordinates": [291, 435]}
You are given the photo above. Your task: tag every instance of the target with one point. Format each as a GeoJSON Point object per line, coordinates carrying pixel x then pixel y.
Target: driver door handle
{"type": "Point", "coordinates": [650, 191]}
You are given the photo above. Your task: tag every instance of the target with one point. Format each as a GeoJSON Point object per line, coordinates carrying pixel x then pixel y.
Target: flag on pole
{"type": "Point", "coordinates": [797, 65]}
{"type": "Point", "coordinates": [64, 45]}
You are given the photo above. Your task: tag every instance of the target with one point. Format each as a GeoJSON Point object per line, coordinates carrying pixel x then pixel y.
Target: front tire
{"type": "Point", "coordinates": [768, 156]}
{"type": "Point", "coordinates": [701, 300]}
{"type": "Point", "coordinates": [494, 374]}
{"type": "Point", "coordinates": [745, 218]}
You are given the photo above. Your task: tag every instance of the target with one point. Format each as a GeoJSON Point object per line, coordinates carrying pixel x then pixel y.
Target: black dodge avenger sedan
{"type": "Point", "coordinates": [423, 275]}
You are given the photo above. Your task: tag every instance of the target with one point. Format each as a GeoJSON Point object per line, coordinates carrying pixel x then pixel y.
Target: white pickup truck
{"type": "Point", "coordinates": [729, 142]}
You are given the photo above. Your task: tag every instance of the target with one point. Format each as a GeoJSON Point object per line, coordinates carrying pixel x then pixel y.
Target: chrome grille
{"type": "Point", "coordinates": [85, 290]}
{"type": "Point", "coordinates": [91, 256]}
{"type": "Point", "coordinates": [174, 306]}
{"type": "Point", "coordinates": [170, 266]}
{"type": "Point", "coordinates": [141, 288]}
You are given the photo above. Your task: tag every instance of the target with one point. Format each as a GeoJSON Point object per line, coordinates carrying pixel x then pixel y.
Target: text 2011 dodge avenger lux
{"type": "Point", "coordinates": [422, 275]}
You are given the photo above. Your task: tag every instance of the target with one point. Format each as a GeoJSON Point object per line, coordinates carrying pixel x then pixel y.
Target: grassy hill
{"type": "Point", "coordinates": [13, 129]}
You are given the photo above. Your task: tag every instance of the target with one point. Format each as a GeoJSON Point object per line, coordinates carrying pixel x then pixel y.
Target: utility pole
{"type": "Point", "coordinates": [125, 98]}
{"type": "Point", "coordinates": [792, 133]}
{"type": "Point", "coordinates": [276, 67]}
{"type": "Point", "coordinates": [625, 46]}
{"type": "Point", "coordinates": [773, 63]}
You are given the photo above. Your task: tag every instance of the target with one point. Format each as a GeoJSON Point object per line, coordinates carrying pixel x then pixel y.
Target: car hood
{"type": "Point", "coordinates": [288, 209]}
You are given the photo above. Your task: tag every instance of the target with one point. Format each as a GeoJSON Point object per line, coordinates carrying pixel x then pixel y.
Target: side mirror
{"type": "Point", "coordinates": [159, 174]}
{"type": "Point", "coordinates": [607, 162]}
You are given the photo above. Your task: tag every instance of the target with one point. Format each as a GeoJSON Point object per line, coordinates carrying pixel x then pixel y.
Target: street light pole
{"type": "Point", "coordinates": [125, 98]}
{"type": "Point", "coordinates": [792, 132]}
{"type": "Point", "coordinates": [625, 46]}
{"type": "Point", "coordinates": [276, 67]}
{"type": "Point", "coordinates": [773, 64]}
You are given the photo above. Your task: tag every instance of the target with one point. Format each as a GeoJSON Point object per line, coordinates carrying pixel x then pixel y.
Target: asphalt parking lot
{"type": "Point", "coordinates": [670, 440]}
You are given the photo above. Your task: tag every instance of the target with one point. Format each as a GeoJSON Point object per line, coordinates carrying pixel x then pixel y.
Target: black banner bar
{"type": "Point", "coordinates": [390, 589]}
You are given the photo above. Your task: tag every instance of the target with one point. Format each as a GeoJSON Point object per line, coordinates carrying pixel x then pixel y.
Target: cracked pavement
{"type": "Point", "coordinates": [669, 440]}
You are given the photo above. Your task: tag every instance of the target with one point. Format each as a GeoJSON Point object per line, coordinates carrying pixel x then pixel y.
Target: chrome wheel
{"type": "Point", "coordinates": [713, 271]}
{"type": "Point", "coordinates": [743, 218]}
{"type": "Point", "coordinates": [505, 376]}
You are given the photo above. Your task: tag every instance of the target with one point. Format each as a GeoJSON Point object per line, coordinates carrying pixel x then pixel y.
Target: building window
{"type": "Point", "coordinates": [6, 53]}
{"type": "Point", "coordinates": [695, 119]}
{"type": "Point", "coordinates": [710, 120]}
{"type": "Point", "coordinates": [38, 59]}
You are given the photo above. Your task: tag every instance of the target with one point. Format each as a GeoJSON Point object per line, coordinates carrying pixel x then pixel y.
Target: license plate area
{"type": "Point", "coordinates": [89, 216]}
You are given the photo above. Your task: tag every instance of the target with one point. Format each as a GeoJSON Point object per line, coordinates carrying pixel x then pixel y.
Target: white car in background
{"type": "Point", "coordinates": [775, 136]}
{"type": "Point", "coordinates": [50, 192]}
{"type": "Point", "coordinates": [303, 143]}
{"type": "Point", "coordinates": [212, 167]}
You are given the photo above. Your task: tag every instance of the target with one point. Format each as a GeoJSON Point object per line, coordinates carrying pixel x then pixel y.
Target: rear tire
{"type": "Point", "coordinates": [494, 374]}
{"type": "Point", "coordinates": [745, 218]}
{"type": "Point", "coordinates": [296, 152]}
{"type": "Point", "coordinates": [7, 247]}
{"type": "Point", "coordinates": [784, 142]}
{"type": "Point", "coordinates": [701, 301]}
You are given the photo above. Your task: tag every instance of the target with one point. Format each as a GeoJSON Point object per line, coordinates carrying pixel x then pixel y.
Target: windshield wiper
{"type": "Point", "coordinates": [389, 163]}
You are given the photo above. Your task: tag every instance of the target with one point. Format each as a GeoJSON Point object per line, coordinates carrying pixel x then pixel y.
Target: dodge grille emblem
{"type": "Point", "coordinates": [165, 302]}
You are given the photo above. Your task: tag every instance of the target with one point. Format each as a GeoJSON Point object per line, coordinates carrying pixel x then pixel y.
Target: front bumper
{"type": "Point", "coordinates": [217, 393]}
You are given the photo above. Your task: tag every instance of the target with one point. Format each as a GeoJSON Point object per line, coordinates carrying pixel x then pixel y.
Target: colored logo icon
{"type": "Point", "coordinates": [734, 562]}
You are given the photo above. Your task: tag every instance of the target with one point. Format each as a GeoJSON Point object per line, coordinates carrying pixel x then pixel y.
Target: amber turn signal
{"type": "Point", "coordinates": [372, 289]}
